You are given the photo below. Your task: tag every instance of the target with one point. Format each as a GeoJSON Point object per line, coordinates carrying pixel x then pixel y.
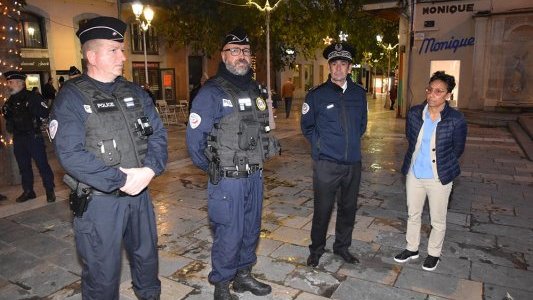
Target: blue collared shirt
{"type": "Point", "coordinates": [422, 167]}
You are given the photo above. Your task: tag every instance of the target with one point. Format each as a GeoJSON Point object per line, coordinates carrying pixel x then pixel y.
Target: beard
{"type": "Point", "coordinates": [240, 67]}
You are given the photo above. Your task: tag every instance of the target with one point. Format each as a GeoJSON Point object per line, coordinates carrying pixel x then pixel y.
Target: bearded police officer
{"type": "Point", "coordinates": [334, 117]}
{"type": "Point", "coordinates": [227, 136]}
{"type": "Point", "coordinates": [111, 143]}
{"type": "Point", "coordinates": [24, 112]}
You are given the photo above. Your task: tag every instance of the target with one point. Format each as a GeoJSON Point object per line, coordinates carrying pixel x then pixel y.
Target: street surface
{"type": "Point", "coordinates": [488, 249]}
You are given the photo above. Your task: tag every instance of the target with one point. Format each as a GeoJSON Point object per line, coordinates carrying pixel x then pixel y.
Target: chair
{"type": "Point", "coordinates": [183, 107]}
{"type": "Point", "coordinates": [167, 112]}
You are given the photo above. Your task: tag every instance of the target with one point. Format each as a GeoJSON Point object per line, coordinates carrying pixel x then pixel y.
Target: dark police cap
{"type": "Point", "coordinates": [14, 75]}
{"type": "Point", "coordinates": [339, 51]}
{"type": "Point", "coordinates": [237, 36]}
{"type": "Point", "coordinates": [73, 71]}
{"type": "Point", "coordinates": [106, 28]}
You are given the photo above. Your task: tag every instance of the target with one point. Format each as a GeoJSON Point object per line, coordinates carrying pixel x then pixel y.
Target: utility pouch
{"type": "Point", "coordinates": [78, 203]}
{"type": "Point", "coordinates": [248, 135]}
{"type": "Point", "coordinates": [214, 172]}
{"type": "Point", "coordinates": [240, 162]}
{"type": "Point", "coordinates": [109, 152]}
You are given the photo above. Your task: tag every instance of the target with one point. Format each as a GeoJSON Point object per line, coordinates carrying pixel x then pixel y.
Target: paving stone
{"type": "Point", "coordinates": [291, 235]}
{"type": "Point", "coordinates": [501, 230]}
{"type": "Point", "coordinates": [456, 267]}
{"type": "Point", "coordinates": [291, 253]}
{"type": "Point", "coordinates": [503, 276]}
{"type": "Point", "coordinates": [170, 290]}
{"type": "Point", "coordinates": [44, 278]}
{"type": "Point", "coordinates": [41, 245]}
{"type": "Point", "coordinates": [312, 281]}
{"type": "Point", "coordinates": [372, 270]}
{"type": "Point", "coordinates": [267, 246]}
{"type": "Point", "coordinates": [67, 259]}
{"type": "Point", "coordinates": [195, 275]}
{"type": "Point", "coordinates": [279, 292]}
{"type": "Point", "coordinates": [308, 296]}
{"type": "Point", "coordinates": [494, 292]}
{"type": "Point", "coordinates": [287, 210]}
{"type": "Point", "coordinates": [439, 284]}
{"type": "Point", "coordinates": [512, 221]}
{"type": "Point", "coordinates": [481, 254]}
{"type": "Point", "coordinates": [271, 269]}
{"type": "Point", "coordinates": [470, 238]}
{"type": "Point", "coordinates": [169, 263]}
{"type": "Point", "coordinates": [296, 221]}
{"type": "Point", "coordinates": [392, 239]}
{"type": "Point", "coordinates": [353, 288]}
{"type": "Point", "coordinates": [12, 232]}
{"type": "Point", "coordinates": [515, 244]}
{"type": "Point", "coordinates": [365, 235]}
{"type": "Point", "coordinates": [14, 262]}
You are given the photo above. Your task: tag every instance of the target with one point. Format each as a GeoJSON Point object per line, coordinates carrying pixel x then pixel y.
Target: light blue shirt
{"type": "Point", "coordinates": [422, 167]}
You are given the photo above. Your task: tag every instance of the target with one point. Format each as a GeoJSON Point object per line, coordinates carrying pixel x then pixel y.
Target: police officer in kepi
{"type": "Point", "coordinates": [111, 142]}
{"type": "Point", "coordinates": [24, 112]}
{"type": "Point", "coordinates": [228, 137]}
{"type": "Point", "coordinates": [334, 117]}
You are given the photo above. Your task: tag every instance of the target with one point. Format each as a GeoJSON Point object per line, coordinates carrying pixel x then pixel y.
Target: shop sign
{"type": "Point", "coordinates": [434, 45]}
{"type": "Point", "coordinates": [447, 9]}
{"type": "Point", "coordinates": [35, 64]}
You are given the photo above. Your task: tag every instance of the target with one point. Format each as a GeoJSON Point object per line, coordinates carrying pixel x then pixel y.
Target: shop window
{"type": "Point", "coordinates": [154, 76]}
{"type": "Point", "coordinates": [152, 46]}
{"type": "Point", "coordinates": [33, 33]}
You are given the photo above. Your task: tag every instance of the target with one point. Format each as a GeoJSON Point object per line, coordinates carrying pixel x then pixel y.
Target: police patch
{"type": "Point", "coordinates": [52, 127]}
{"type": "Point", "coordinates": [261, 104]}
{"type": "Point", "coordinates": [105, 105]}
{"type": "Point", "coordinates": [227, 103]}
{"type": "Point", "coordinates": [305, 108]}
{"type": "Point", "coordinates": [194, 120]}
{"type": "Point", "coordinates": [88, 109]}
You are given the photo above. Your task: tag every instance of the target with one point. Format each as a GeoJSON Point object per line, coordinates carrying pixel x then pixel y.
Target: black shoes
{"type": "Point", "coordinates": [313, 259]}
{"type": "Point", "coordinates": [26, 195]}
{"type": "Point", "coordinates": [244, 281]}
{"type": "Point", "coordinates": [347, 256]}
{"type": "Point", "coordinates": [430, 263]}
{"type": "Point", "coordinates": [50, 196]}
{"type": "Point", "coordinates": [405, 256]}
{"type": "Point", "coordinates": [222, 291]}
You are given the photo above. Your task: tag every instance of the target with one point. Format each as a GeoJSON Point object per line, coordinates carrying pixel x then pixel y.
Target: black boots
{"type": "Point", "coordinates": [222, 291]}
{"type": "Point", "coordinates": [50, 196]}
{"type": "Point", "coordinates": [26, 195]}
{"type": "Point", "coordinates": [245, 282]}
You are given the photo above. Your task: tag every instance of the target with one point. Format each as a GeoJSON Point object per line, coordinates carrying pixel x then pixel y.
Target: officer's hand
{"type": "Point", "coordinates": [137, 180]}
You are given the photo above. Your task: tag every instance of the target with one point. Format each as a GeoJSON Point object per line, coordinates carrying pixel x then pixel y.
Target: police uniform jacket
{"type": "Point", "coordinates": [448, 139]}
{"type": "Point", "coordinates": [23, 112]}
{"type": "Point", "coordinates": [209, 106]}
{"type": "Point", "coordinates": [71, 112]}
{"type": "Point", "coordinates": [333, 121]}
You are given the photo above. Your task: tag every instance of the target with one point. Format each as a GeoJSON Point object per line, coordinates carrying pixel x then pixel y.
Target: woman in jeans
{"type": "Point", "coordinates": [436, 134]}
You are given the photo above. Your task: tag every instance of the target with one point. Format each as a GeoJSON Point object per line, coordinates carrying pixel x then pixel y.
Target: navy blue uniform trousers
{"type": "Point", "coordinates": [332, 181]}
{"type": "Point", "coordinates": [100, 232]}
{"type": "Point", "coordinates": [234, 208]}
{"type": "Point", "coordinates": [30, 146]}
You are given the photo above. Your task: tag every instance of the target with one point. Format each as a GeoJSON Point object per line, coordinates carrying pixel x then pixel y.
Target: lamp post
{"type": "Point", "coordinates": [138, 10]}
{"type": "Point", "coordinates": [267, 9]}
{"type": "Point", "coordinates": [389, 49]}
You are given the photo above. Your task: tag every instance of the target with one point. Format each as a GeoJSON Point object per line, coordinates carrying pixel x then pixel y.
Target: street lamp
{"type": "Point", "coordinates": [138, 9]}
{"type": "Point", "coordinates": [267, 9]}
{"type": "Point", "coordinates": [389, 49]}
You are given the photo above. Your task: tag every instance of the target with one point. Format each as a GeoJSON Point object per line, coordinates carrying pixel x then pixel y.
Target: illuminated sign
{"type": "Point", "coordinates": [433, 45]}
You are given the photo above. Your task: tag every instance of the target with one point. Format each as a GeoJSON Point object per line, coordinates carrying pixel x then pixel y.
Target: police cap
{"type": "Point", "coordinates": [14, 75]}
{"type": "Point", "coordinates": [237, 36]}
{"type": "Point", "coordinates": [73, 71]}
{"type": "Point", "coordinates": [106, 28]}
{"type": "Point", "coordinates": [339, 51]}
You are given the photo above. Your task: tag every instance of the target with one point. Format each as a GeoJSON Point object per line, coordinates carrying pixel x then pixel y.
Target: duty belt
{"type": "Point", "coordinates": [233, 172]}
{"type": "Point", "coordinates": [116, 193]}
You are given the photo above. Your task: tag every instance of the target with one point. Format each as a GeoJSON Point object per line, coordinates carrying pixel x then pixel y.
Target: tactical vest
{"type": "Point", "coordinates": [240, 139]}
{"type": "Point", "coordinates": [107, 136]}
{"type": "Point", "coordinates": [22, 121]}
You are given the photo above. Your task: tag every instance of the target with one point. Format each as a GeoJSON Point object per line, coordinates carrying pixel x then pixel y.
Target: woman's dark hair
{"type": "Point", "coordinates": [448, 79]}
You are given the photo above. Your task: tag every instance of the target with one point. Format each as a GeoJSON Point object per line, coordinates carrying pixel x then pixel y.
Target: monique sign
{"type": "Point", "coordinates": [447, 9]}
{"type": "Point", "coordinates": [433, 45]}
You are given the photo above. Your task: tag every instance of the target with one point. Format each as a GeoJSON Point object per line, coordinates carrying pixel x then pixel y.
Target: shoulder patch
{"type": "Point", "coordinates": [194, 120]}
{"type": "Point", "coordinates": [305, 108]}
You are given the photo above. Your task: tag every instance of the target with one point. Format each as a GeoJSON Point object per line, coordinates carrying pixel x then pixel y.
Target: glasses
{"type": "Point", "coordinates": [238, 51]}
{"type": "Point", "coordinates": [430, 90]}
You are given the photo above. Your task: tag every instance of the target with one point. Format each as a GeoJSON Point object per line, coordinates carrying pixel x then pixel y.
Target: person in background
{"type": "Point", "coordinates": [49, 92]}
{"type": "Point", "coordinates": [23, 112]}
{"type": "Point", "coordinates": [437, 135]}
{"type": "Point", "coordinates": [61, 81]}
{"type": "Point", "coordinates": [195, 90]}
{"type": "Point", "coordinates": [111, 142]}
{"type": "Point", "coordinates": [334, 118]}
{"type": "Point", "coordinates": [287, 92]}
{"type": "Point", "coordinates": [146, 88]}
{"type": "Point", "coordinates": [73, 72]}
{"type": "Point", "coordinates": [227, 137]}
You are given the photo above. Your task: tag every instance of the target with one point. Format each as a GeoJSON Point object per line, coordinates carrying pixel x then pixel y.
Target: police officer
{"type": "Point", "coordinates": [24, 111]}
{"type": "Point", "coordinates": [111, 142]}
{"type": "Point", "coordinates": [334, 117]}
{"type": "Point", "coordinates": [227, 136]}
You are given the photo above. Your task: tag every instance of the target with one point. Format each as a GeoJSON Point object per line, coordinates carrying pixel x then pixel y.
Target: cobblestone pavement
{"type": "Point", "coordinates": [488, 250]}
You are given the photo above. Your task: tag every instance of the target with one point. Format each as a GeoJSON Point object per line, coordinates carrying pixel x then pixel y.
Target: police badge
{"type": "Point", "coordinates": [261, 104]}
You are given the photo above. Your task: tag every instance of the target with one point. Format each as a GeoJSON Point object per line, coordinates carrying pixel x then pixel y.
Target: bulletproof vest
{"type": "Point", "coordinates": [110, 129]}
{"type": "Point", "coordinates": [241, 137]}
{"type": "Point", "coordinates": [22, 121]}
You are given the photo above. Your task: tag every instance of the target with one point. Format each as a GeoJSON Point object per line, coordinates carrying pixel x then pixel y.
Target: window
{"type": "Point", "coordinates": [32, 33]}
{"type": "Point", "coordinates": [152, 46]}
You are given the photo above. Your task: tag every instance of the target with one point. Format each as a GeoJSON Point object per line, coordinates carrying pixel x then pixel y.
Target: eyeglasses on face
{"type": "Point", "coordinates": [238, 51]}
{"type": "Point", "coordinates": [430, 90]}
